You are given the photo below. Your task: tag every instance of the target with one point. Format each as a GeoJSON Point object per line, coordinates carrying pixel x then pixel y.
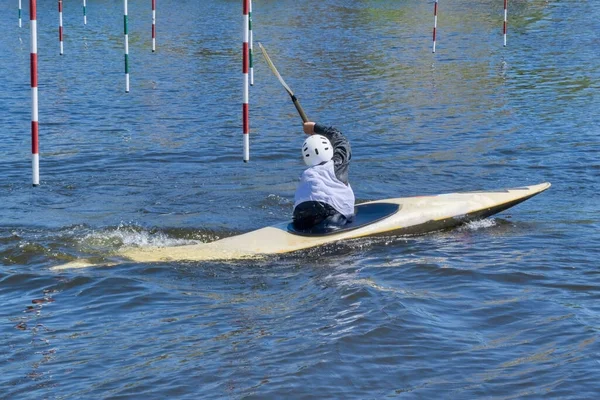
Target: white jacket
{"type": "Point", "coordinates": [319, 183]}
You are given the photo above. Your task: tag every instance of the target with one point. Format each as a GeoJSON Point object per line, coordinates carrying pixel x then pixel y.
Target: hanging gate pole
{"type": "Point", "coordinates": [35, 153]}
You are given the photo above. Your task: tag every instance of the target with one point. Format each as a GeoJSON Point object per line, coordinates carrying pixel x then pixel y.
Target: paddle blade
{"type": "Point", "coordinates": [287, 88]}
{"type": "Point", "coordinates": [274, 70]}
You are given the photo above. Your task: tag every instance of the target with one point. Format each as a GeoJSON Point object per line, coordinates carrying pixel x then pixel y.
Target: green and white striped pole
{"type": "Point", "coordinates": [126, 46]}
{"type": "Point", "coordinates": [84, 14]}
{"type": "Point", "coordinates": [20, 24]}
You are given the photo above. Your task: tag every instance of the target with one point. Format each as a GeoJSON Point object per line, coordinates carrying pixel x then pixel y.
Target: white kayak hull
{"type": "Point", "coordinates": [417, 215]}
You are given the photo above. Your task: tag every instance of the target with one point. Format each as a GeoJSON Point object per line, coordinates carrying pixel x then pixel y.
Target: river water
{"type": "Point", "coordinates": [502, 308]}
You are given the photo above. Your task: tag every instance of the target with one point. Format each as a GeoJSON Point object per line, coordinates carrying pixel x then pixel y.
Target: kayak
{"type": "Point", "coordinates": [398, 216]}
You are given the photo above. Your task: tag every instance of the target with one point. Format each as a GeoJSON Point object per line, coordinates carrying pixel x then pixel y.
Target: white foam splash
{"type": "Point", "coordinates": [479, 224]}
{"type": "Point", "coordinates": [130, 236]}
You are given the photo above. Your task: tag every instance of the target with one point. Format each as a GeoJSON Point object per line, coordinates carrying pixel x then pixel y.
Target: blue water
{"type": "Point", "coordinates": [502, 308]}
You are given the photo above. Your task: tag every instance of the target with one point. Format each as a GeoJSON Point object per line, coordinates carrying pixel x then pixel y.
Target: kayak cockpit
{"type": "Point", "coordinates": [364, 214]}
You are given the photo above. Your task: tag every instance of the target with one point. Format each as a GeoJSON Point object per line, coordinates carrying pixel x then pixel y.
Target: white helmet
{"type": "Point", "coordinates": [316, 149]}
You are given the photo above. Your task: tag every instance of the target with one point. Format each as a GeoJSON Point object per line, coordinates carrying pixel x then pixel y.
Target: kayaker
{"type": "Point", "coordinates": [324, 199]}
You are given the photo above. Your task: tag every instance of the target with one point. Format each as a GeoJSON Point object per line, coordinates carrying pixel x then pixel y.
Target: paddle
{"type": "Point", "coordinates": [287, 88]}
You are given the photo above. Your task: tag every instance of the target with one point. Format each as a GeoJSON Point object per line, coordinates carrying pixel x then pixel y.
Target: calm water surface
{"type": "Point", "coordinates": [503, 308]}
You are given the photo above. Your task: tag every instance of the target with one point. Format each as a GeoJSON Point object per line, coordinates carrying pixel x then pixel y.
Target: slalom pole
{"type": "Point", "coordinates": [153, 26]}
{"type": "Point", "coordinates": [251, 45]}
{"type": "Point", "coordinates": [84, 13]}
{"type": "Point", "coordinates": [435, 9]}
{"type": "Point", "coordinates": [60, 26]}
{"type": "Point", "coordinates": [505, 20]}
{"type": "Point", "coordinates": [126, 46]}
{"type": "Point", "coordinates": [20, 24]}
{"type": "Point", "coordinates": [35, 153]}
{"type": "Point", "coordinates": [245, 64]}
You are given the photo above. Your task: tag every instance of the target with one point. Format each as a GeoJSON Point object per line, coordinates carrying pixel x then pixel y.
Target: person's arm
{"type": "Point", "coordinates": [342, 152]}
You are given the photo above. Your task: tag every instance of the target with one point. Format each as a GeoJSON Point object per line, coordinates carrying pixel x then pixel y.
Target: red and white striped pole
{"type": "Point", "coordinates": [35, 153]}
{"type": "Point", "coordinates": [251, 45]}
{"type": "Point", "coordinates": [60, 26]}
{"type": "Point", "coordinates": [153, 26]}
{"type": "Point", "coordinates": [435, 8]}
{"type": "Point", "coordinates": [245, 64]}
{"type": "Point", "coordinates": [505, 20]}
